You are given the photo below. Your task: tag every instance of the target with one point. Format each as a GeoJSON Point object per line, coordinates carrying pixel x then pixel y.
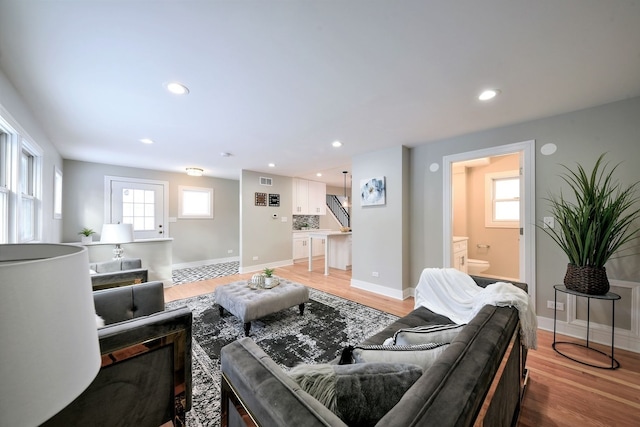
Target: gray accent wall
{"type": "Point", "coordinates": [193, 239]}
{"type": "Point", "coordinates": [580, 137]}
{"type": "Point", "coordinates": [263, 236]}
{"type": "Point", "coordinates": [381, 232]}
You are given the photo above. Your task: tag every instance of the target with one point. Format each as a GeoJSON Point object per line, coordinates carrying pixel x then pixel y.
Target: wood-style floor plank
{"type": "Point", "coordinates": [560, 392]}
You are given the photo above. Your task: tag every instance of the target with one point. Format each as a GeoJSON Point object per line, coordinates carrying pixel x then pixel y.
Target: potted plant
{"type": "Point", "coordinates": [591, 229]}
{"type": "Point", "coordinates": [268, 277]}
{"type": "Point", "coordinates": [86, 235]}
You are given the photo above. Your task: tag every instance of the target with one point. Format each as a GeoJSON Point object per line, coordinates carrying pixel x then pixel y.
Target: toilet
{"type": "Point", "coordinates": [476, 266]}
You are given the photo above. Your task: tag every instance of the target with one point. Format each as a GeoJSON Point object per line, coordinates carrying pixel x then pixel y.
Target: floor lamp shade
{"type": "Point", "coordinates": [49, 348]}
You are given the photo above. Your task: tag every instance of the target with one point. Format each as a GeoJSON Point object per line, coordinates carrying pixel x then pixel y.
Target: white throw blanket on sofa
{"type": "Point", "coordinates": [454, 294]}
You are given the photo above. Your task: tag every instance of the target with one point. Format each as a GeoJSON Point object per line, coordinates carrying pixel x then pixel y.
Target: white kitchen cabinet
{"type": "Point", "coordinates": [301, 246]}
{"type": "Point", "coordinates": [300, 192]}
{"type": "Point", "coordinates": [309, 197]}
{"type": "Point", "coordinates": [459, 253]}
{"type": "Point", "coordinates": [317, 198]}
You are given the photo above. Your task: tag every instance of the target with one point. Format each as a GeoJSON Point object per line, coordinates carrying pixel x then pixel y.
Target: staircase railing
{"type": "Point", "coordinates": [341, 214]}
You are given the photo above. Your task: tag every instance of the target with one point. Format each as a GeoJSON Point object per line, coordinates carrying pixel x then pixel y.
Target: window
{"type": "Point", "coordinates": [195, 202]}
{"type": "Point", "coordinates": [4, 186]}
{"type": "Point", "coordinates": [502, 199]}
{"type": "Point", "coordinates": [138, 208]}
{"type": "Point", "coordinates": [20, 185]}
{"type": "Point", "coordinates": [57, 193]}
{"type": "Point", "coordinates": [27, 198]}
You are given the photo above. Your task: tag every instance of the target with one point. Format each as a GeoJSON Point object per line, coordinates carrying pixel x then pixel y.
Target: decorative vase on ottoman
{"type": "Point", "coordinates": [586, 279]}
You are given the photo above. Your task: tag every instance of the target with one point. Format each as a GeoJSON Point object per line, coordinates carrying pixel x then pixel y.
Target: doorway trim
{"type": "Point", "coordinates": [528, 234]}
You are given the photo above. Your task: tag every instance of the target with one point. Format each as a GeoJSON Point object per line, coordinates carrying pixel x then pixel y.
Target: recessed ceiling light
{"type": "Point", "coordinates": [194, 171]}
{"type": "Point", "coordinates": [272, 165]}
{"type": "Point", "coordinates": [336, 144]}
{"type": "Point", "coordinates": [318, 174]}
{"type": "Point", "coordinates": [177, 88]}
{"type": "Point", "coordinates": [488, 94]}
{"type": "Point", "coordinates": [146, 141]}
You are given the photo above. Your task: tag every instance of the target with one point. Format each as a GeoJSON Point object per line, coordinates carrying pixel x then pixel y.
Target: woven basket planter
{"type": "Point", "coordinates": [588, 280]}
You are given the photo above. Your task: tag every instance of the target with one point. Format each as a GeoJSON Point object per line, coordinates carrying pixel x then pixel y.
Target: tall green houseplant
{"type": "Point", "coordinates": [594, 227]}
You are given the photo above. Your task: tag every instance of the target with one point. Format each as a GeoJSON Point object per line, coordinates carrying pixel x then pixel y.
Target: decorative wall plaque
{"type": "Point", "coordinates": [274, 200]}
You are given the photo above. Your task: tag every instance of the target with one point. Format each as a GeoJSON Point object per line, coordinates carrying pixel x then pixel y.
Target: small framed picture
{"type": "Point", "coordinates": [261, 199]}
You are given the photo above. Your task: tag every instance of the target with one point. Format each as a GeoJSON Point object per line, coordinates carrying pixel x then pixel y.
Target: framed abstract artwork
{"type": "Point", "coordinates": [373, 191]}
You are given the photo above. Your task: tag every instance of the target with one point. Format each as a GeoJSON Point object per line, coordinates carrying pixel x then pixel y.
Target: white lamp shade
{"type": "Point", "coordinates": [116, 233]}
{"type": "Point", "coordinates": [50, 352]}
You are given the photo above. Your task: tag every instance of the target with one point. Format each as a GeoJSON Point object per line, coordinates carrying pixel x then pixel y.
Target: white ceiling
{"type": "Point", "coordinates": [278, 81]}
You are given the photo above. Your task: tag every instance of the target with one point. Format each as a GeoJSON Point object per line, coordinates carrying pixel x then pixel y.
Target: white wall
{"type": "Point", "coordinates": [15, 110]}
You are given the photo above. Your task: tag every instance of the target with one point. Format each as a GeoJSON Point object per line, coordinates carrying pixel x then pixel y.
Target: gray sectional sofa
{"type": "Point", "coordinates": [145, 375]}
{"type": "Point", "coordinates": [477, 380]}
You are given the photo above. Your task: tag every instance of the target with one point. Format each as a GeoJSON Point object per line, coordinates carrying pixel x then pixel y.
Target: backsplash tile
{"type": "Point", "coordinates": [311, 221]}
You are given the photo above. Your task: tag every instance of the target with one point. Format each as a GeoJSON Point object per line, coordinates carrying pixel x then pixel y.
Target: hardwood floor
{"type": "Point", "coordinates": [560, 392]}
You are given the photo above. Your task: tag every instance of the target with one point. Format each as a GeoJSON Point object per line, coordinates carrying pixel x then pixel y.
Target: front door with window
{"type": "Point", "coordinates": [140, 204]}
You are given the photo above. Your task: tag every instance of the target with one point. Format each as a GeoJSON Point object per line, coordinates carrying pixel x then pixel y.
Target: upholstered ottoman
{"type": "Point", "coordinates": [250, 304]}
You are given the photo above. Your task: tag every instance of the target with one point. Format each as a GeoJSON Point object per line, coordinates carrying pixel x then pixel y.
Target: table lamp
{"type": "Point", "coordinates": [117, 234]}
{"type": "Point", "coordinates": [49, 352]}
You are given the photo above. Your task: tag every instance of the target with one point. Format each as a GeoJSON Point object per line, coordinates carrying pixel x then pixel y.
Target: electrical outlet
{"type": "Point", "coordinates": [230, 251]}
{"type": "Point", "coordinates": [375, 274]}
{"type": "Point", "coordinates": [255, 258]}
{"type": "Point", "coordinates": [559, 305]}
{"type": "Point", "coordinates": [549, 222]}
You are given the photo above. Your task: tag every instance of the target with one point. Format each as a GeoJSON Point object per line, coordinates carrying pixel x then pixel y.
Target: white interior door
{"type": "Point", "coordinates": [527, 205]}
{"type": "Point", "coordinates": [138, 203]}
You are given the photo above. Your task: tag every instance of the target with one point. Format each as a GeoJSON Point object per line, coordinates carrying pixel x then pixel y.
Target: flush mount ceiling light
{"type": "Point", "coordinates": [488, 94]}
{"type": "Point", "coordinates": [336, 144]}
{"type": "Point", "coordinates": [272, 165]}
{"type": "Point", "coordinates": [195, 171]}
{"type": "Point", "coordinates": [177, 88]}
{"type": "Point", "coordinates": [146, 141]}
{"type": "Point", "coordinates": [225, 154]}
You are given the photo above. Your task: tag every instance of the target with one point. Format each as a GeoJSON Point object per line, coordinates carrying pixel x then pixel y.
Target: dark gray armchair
{"type": "Point", "coordinates": [117, 272]}
{"type": "Point", "coordinates": [145, 376]}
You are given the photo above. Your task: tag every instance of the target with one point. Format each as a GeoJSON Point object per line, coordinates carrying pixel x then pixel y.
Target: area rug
{"type": "Point", "coordinates": [328, 325]}
{"type": "Point", "coordinates": [195, 274]}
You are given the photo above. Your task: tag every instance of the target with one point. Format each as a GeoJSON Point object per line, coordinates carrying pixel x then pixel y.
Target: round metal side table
{"type": "Point", "coordinates": [609, 296]}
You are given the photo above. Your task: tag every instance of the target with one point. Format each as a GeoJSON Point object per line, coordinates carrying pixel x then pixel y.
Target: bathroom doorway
{"type": "Point", "coordinates": [489, 210]}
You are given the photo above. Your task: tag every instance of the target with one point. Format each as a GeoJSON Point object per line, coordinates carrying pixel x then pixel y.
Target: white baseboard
{"type": "Point", "coordinates": [203, 262]}
{"type": "Point", "coordinates": [259, 267]}
{"type": "Point", "coordinates": [623, 338]}
{"type": "Point", "coordinates": [378, 289]}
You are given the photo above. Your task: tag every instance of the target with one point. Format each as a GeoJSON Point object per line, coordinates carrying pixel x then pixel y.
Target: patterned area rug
{"type": "Point", "coordinates": [329, 324]}
{"type": "Point", "coordinates": [195, 274]}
